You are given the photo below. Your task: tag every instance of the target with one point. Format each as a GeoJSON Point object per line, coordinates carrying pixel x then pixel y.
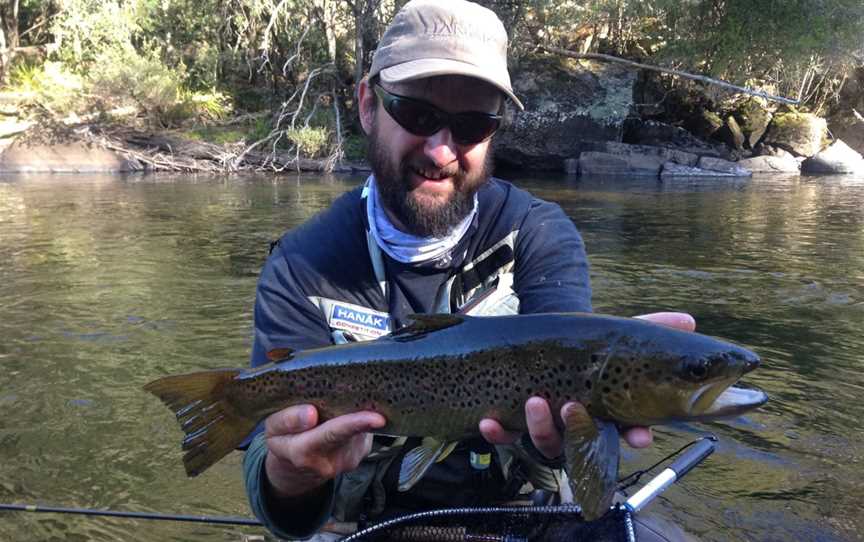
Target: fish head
{"type": "Point", "coordinates": [676, 375]}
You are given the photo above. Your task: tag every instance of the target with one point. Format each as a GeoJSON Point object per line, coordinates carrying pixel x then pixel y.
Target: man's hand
{"type": "Point", "coordinates": [541, 424]}
{"type": "Point", "coordinates": [302, 455]}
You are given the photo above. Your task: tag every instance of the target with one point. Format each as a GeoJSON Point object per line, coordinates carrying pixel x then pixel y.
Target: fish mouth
{"type": "Point", "coordinates": [733, 401]}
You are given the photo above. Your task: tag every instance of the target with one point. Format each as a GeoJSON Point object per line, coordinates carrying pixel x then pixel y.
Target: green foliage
{"type": "Point", "coordinates": [311, 142]}
{"type": "Point", "coordinates": [51, 86]}
{"type": "Point", "coordinates": [354, 146]}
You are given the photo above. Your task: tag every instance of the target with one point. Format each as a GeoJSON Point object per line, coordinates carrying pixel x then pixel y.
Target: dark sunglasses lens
{"type": "Point", "coordinates": [469, 128]}
{"type": "Point", "coordinates": [416, 117]}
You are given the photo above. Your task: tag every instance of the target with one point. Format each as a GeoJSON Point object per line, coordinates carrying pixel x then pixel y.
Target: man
{"type": "Point", "coordinates": [430, 231]}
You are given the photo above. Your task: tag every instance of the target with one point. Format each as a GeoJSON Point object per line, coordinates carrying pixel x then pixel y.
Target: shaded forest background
{"type": "Point", "coordinates": [281, 73]}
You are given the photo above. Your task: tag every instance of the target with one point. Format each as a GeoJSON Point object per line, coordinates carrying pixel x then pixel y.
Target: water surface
{"type": "Point", "coordinates": [108, 282]}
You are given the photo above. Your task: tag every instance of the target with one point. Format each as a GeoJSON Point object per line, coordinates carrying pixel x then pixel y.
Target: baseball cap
{"type": "Point", "coordinates": [444, 37]}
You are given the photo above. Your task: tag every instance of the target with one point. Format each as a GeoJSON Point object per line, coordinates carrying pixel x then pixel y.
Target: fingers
{"type": "Point", "coordinates": [541, 427]}
{"type": "Point", "coordinates": [677, 320]}
{"type": "Point", "coordinates": [638, 437]}
{"type": "Point", "coordinates": [494, 433]}
{"type": "Point", "coordinates": [292, 420]}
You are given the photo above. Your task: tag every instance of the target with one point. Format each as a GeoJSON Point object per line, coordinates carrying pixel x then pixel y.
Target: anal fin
{"type": "Point", "coordinates": [418, 460]}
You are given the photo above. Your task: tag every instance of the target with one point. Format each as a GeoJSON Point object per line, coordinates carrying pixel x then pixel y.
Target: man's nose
{"type": "Point", "coordinates": [440, 147]}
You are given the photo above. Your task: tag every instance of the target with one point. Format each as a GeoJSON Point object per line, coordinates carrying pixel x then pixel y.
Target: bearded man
{"type": "Point", "coordinates": [429, 232]}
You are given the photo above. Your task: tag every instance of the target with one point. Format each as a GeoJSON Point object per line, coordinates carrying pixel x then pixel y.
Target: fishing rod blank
{"type": "Point", "coordinates": [216, 520]}
{"type": "Point", "coordinates": [681, 466]}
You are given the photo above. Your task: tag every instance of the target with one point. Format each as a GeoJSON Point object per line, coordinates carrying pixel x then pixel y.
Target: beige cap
{"type": "Point", "coordinates": [444, 37]}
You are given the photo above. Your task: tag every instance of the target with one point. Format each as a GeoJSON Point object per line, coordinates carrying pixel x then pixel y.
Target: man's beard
{"type": "Point", "coordinates": [394, 188]}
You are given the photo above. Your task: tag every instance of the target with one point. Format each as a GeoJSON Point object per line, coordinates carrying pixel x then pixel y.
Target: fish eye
{"type": "Point", "coordinates": [696, 370]}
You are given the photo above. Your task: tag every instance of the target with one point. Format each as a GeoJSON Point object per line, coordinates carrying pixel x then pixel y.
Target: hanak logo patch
{"type": "Point", "coordinates": [357, 320]}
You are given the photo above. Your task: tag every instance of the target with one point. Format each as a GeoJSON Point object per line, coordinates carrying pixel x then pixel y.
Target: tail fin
{"type": "Point", "coordinates": [212, 425]}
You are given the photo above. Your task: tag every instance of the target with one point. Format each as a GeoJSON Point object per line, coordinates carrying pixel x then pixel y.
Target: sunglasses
{"type": "Point", "coordinates": [424, 119]}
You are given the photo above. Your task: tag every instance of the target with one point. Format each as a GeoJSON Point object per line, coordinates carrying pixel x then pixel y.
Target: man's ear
{"type": "Point", "coordinates": [367, 104]}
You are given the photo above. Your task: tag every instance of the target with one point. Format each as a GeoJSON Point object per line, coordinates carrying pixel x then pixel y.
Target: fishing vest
{"type": "Point", "coordinates": [482, 286]}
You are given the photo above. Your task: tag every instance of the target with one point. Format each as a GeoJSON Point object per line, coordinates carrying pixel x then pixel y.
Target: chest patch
{"type": "Point", "coordinates": [358, 320]}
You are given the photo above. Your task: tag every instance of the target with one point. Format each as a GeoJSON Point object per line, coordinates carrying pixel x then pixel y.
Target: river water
{"type": "Point", "coordinates": [108, 282]}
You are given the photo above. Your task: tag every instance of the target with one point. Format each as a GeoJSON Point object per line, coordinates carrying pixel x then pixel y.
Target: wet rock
{"type": "Point", "coordinates": [837, 158]}
{"type": "Point", "coordinates": [725, 167]}
{"type": "Point", "coordinates": [567, 103]}
{"type": "Point", "coordinates": [801, 134]}
{"type": "Point", "coordinates": [671, 169]}
{"type": "Point", "coordinates": [771, 164]}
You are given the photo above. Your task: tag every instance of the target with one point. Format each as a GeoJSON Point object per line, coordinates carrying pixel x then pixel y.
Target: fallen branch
{"type": "Point", "coordinates": [679, 73]}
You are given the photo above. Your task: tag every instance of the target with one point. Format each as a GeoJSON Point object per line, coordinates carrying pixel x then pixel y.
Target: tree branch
{"type": "Point", "coordinates": [679, 73]}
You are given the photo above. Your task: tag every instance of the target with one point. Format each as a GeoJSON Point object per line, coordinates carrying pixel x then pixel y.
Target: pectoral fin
{"type": "Point", "coordinates": [417, 461]}
{"type": "Point", "coordinates": [591, 449]}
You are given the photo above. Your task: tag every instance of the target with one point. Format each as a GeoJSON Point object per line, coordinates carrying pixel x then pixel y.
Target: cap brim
{"type": "Point", "coordinates": [431, 67]}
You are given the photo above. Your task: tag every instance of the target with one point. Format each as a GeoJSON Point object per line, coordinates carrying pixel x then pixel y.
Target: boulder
{"type": "Point", "coordinates": [671, 169]}
{"type": "Point", "coordinates": [567, 103]}
{"type": "Point", "coordinates": [604, 163]}
{"type": "Point", "coordinates": [837, 158]}
{"type": "Point", "coordinates": [724, 167]}
{"type": "Point", "coordinates": [612, 158]}
{"type": "Point", "coordinates": [70, 157]}
{"type": "Point", "coordinates": [753, 118]}
{"type": "Point", "coordinates": [731, 134]}
{"type": "Point", "coordinates": [848, 126]}
{"type": "Point", "coordinates": [799, 133]}
{"type": "Point", "coordinates": [771, 164]}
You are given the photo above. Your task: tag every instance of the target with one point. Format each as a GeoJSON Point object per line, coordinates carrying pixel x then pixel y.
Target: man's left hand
{"type": "Point", "coordinates": [541, 424]}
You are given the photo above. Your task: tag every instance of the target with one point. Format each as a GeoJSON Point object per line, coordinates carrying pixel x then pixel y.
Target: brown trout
{"type": "Point", "coordinates": [442, 374]}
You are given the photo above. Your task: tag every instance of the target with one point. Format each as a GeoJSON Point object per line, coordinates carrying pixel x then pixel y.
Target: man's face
{"type": "Point", "coordinates": [428, 183]}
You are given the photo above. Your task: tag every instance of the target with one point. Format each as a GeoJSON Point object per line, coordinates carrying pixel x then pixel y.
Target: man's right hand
{"type": "Point", "coordinates": [302, 455]}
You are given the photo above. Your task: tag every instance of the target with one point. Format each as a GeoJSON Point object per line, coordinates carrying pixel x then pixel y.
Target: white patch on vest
{"type": "Point", "coordinates": [361, 322]}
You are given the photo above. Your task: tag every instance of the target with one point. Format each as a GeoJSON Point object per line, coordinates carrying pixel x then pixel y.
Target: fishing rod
{"type": "Point", "coordinates": [214, 520]}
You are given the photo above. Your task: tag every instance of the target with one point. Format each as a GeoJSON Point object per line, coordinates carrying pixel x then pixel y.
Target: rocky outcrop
{"type": "Point", "coordinates": [660, 134]}
{"type": "Point", "coordinates": [611, 158]}
{"type": "Point", "coordinates": [801, 134]}
{"type": "Point", "coordinates": [837, 158]}
{"type": "Point", "coordinates": [67, 157]}
{"type": "Point", "coordinates": [568, 104]}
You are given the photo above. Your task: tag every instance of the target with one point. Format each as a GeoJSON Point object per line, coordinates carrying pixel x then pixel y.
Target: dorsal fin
{"type": "Point", "coordinates": [422, 324]}
{"type": "Point", "coordinates": [280, 354]}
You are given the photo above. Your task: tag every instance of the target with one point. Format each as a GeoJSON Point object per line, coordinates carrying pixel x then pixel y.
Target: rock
{"type": "Point", "coordinates": [706, 124]}
{"type": "Point", "coordinates": [837, 158]}
{"type": "Point", "coordinates": [770, 150]}
{"type": "Point", "coordinates": [724, 167]}
{"type": "Point", "coordinates": [604, 163]}
{"type": "Point", "coordinates": [771, 164]}
{"type": "Point", "coordinates": [731, 134]}
{"type": "Point", "coordinates": [568, 103]}
{"type": "Point", "coordinates": [799, 133]}
{"type": "Point", "coordinates": [571, 166]}
{"type": "Point", "coordinates": [848, 126]}
{"type": "Point", "coordinates": [753, 118]}
{"type": "Point", "coordinates": [671, 169]}
{"type": "Point", "coordinates": [663, 154]}
{"type": "Point", "coordinates": [71, 157]}
{"type": "Point", "coordinates": [660, 134]}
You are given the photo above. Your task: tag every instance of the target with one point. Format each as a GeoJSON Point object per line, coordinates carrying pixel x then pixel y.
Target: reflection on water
{"type": "Point", "coordinates": [107, 282]}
